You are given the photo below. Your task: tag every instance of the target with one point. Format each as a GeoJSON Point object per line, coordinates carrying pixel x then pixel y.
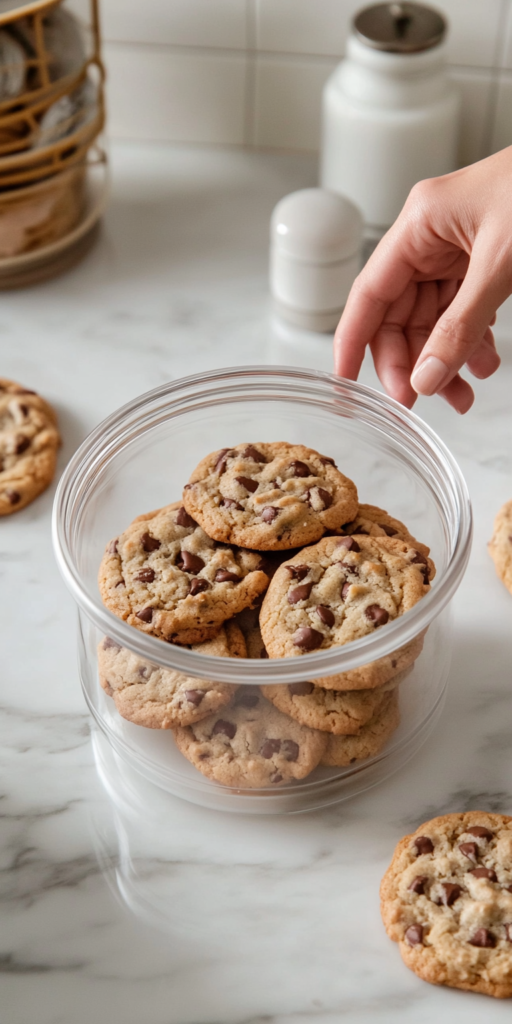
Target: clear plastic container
{"type": "Point", "coordinates": [140, 457]}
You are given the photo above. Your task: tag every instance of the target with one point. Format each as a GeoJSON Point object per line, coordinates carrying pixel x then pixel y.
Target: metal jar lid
{"type": "Point", "coordinates": [400, 27]}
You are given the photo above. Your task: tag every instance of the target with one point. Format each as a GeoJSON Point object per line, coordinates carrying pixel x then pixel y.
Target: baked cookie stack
{"type": "Point", "coordinates": [269, 554]}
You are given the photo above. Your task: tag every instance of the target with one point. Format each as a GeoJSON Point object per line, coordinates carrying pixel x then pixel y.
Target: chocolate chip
{"type": "Point", "coordinates": [269, 513]}
{"type": "Point", "coordinates": [269, 748]}
{"type": "Point", "coordinates": [325, 615]}
{"type": "Point", "coordinates": [307, 639]}
{"type": "Point", "coordinates": [484, 873]}
{"type": "Point", "coordinates": [121, 584]}
{"type": "Point", "coordinates": [112, 547]}
{"type": "Point", "coordinates": [224, 576]}
{"type": "Point", "coordinates": [195, 696]}
{"type": "Point", "coordinates": [297, 572]}
{"type": "Point", "coordinates": [394, 663]}
{"type": "Point", "coordinates": [149, 543]}
{"type": "Point", "coordinates": [418, 559]}
{"type": "Point", "coordinates": [188, 562]}
{"type": "Point", "coordinates": [418, 884]}
{"type": "Point", "coordinates": [480, 832]}
{"type": "Point", "coordinates": [290, 750]}
{"type": "Point", "coordinates": [379, 616]}
{"type": "Point", "coordinates": [197, 586]}
{"type": "Point", "coordinates": [183, 518]}
{"type": "Point", "coordinates": [470, 850]}
{"type": "Point", "coordinates": [484, 938]}
{"type": "Point", "coordinates": [388, 530]}
{"type": "Point", "coordinates": [145, 576]}
{"type": "Point", "coordinates": [276, 777]}
{"type": "Point", "coordinates": [247, 700]}
{"type": "Point", "coordinates": [414, 934]}
{"type": "Point", "coordinates": [263, 652]}
{"type": "Point", "coordinates": [344, 591]}
{"type": "Point", "coordinates": [450, 893]}
{"type": "Point", "coordinates": [326, 461]}
{"type": "Point", "coordinates": [230, 503]}
{"type": "Point", "coordinates": [22, 443]}
{"type": "Point", "coordinates": [248, 483]}
{"type": "Point", "coordinates": [300, 689]}
{"type": "Point", "coordinates": [225, 728]}
{"type": "Point", "coordinates": [300, 468]}
{"type": "Point", "coordinates": [325, 496]}
{"type": "Point", "coordinates": [23, 409]}
{"type": "Point", "coordinates": [300, 593]}
{"type": "Point", "coordinates": [349, 543]}
{"type": "Point", "coordinates": [13, 497]}
{"type": "Point", "coordinates": [108, 642]}
{"type": "Point", "coordinates": [423, 845]}
{"type": "Point", "coordinates": [220, 464]}
{"type": "Point", "coordinates": [145, 615]}
{"type": "Point", "coordinates": [252, 453]}
{"type": "Point", "coordinates": [349, 568]}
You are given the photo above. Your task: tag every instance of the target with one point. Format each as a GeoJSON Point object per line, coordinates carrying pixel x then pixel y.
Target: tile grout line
{"type": "Point", "coordinates": [499, 53]}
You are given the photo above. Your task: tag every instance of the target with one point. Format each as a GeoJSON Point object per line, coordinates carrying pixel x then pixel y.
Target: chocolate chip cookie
{"type": "Point", "coordinates": [165, 576]}
{"type": "Point", "coordinates": [250, 744]}
{"type": "Point", "coordinates": [339, 590]}
{"type": "Point", "coordinates": [269, 496]}
{"type": "Point", "coordinates": [500, 547]}
{"type": "Point", "coordinates": [29, 440]}
{"type": "Point", "coordinates": [340, 712]}
{"type": "Point", "coordinates": [447, 900]}
{"type": "Point", "coordinates": [342, 751]}
{"type": "Point", "coordinates": [375, 522]}
{"type": "Point", "coordinates": [160, 698]}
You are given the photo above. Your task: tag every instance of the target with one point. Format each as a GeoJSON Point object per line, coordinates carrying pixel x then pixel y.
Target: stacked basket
{"type": "Point", "coordinates": [51, 115]}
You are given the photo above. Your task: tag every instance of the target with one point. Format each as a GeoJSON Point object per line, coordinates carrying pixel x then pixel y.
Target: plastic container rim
{"type": "Point", "coordinates": [265, 382]}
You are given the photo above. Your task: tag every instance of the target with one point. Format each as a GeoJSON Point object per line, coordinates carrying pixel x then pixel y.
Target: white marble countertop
{"type": "Point", "coordinates": [161, 912]}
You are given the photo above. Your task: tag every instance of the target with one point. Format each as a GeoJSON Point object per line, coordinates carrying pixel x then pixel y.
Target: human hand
{"type": "Point", "coordinates": [427, 298]}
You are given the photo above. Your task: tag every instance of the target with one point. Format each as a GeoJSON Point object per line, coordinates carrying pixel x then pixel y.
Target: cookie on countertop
{"type": "Point", "coordinates": [160, 698]}
{"type": "Point", "coordinates": [165, 576]}
{"type": "Point", "coordinates": [500, 546]}
{"type": "Point", "coordinates": [29, 440]}
{"type": "Point", "coordinates": [375, 522]}
{"type": "Point", "coordinates": [269, 496]}
{"type": "Point", "coordinates": [250, 744]}
{"type": "Point", "coordinates": [342, 751]}
{"type": "Point", "coordinates": [340, 712]}
{"type": "Point", "coordinates": [446, 898]}
{"type": "Point", "coordinates": [340, 590]}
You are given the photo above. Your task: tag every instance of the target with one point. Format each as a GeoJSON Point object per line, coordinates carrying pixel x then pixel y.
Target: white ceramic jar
{"type": "Point", "coordinates": [315, 256]}
{"type": "Point", "coordinates": [390, 112]}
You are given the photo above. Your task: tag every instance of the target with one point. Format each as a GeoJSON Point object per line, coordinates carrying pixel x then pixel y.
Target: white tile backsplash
{"type": "Point", "coordinates": [176, 22]}
{"type": "Point", "coordinates": [502, 127]}
{"type": "Point", "coordinates": [287, 102]}
{"type": "Point", "coordinates": [263, 85]}
{"type": "Point", "coordinates": [476, 90]}
{"type": "Point", "coordinates": [474, 30]}
{"type": "Point", "coordinates": [303, 26]}
{"type": "Point", "coordinates": [154, 94]}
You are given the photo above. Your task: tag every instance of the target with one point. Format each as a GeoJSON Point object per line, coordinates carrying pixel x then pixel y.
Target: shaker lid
{"type": "Point", "coordinates": [400, 27]}
{"type": "Point", "coordinates": [316, 226]}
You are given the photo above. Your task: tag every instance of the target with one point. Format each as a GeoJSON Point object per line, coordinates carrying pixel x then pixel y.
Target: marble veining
{"type": "Point", "coordinates": [121, 905]}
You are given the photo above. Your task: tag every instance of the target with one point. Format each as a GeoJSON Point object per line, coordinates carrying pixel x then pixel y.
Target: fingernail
{"type": "Point", "coordinates": [428, 377]}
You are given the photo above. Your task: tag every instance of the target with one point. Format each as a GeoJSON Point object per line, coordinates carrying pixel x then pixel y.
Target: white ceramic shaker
{"type": "Point", "coordinates": [390, 112]}
{"type": "Point", "coordinates": [315, 255]}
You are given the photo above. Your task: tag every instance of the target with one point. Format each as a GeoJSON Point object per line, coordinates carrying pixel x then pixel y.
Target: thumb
{"type": "Point", "coordinates": [459, 331]}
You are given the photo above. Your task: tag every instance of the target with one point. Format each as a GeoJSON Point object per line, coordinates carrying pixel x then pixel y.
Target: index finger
{"type": "Point", "coordinates": [384, 278]}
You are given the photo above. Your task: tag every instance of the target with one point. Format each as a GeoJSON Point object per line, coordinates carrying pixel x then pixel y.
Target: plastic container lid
{"type": "Point", "coordinates": [316, 226]}
{"type": "Point", "coordinates": [400, 27]}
